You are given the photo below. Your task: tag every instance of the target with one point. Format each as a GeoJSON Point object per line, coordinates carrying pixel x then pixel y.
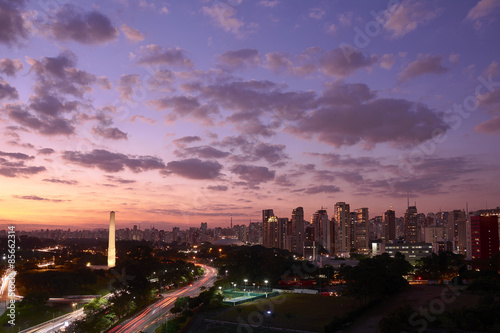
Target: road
{"type": "Point", "coordinates": [147, 320]}
{"type": "Point", "coordinates": [56, 324]}
{"type": "Point", "coordinates": [156, 314]}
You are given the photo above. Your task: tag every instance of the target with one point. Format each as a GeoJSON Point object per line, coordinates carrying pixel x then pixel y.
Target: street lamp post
{"type": "Point", "coordinates": [245, 280]}
{"type": "Point", "coordinates": [265, 281]}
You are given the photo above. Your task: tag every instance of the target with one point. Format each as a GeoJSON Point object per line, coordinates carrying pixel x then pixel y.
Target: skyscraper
{"type": "Point", "coordinates": [297, 231]}
{"type": "Point", "coordinates": [411, 233]}
{"type": "Point", "coordinates": [484, 235]}
{"type": "Point", "coordinates": [266, 214]}
{"type": "Point", "coordinates": [362, 229]}
{"type": "Point", "coordinates": [323, 230]}
{"type": "Point", "coordinates": [390, 225]}
{"type": "Point", "coordinates": [111, 241]}
{"type": "Point", "coordinates": [341, 213]}
{"type": "Point", "coordinates": [457, 224]}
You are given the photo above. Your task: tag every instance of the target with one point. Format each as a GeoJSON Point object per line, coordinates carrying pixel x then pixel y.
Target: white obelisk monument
{"type": "Point", "coordinates": [111, 244]}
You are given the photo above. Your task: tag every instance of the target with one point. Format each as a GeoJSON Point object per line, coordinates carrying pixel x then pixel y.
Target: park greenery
{"type": "Point", "coordinates": [138, 278]}
{"type": "Point", "coordinates": [375, 278]}
{"type": "Point", "coordinates": [186, 307]}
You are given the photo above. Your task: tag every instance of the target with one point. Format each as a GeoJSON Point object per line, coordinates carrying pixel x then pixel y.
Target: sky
{"type": "Point", "coordinates": [173, 113]}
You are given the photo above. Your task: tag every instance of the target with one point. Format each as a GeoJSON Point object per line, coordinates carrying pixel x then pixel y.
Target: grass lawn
{"type": "Point", "coordinates": [300, 311]}
{"type": "Point", "coordinates": [26, 317]}
{"type": "Point", "coordinates": [417, 296]}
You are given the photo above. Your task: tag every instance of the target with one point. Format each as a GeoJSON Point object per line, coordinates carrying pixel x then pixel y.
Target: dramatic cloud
{"type": "Point", "coordinates": [182, 142]}
{"type": "Point", "coordinates": [346, 161]}
{"type": "Point", "coordinates": [120, 180]}
{"type": "Point", "coordinates": [156, 55]}
{"type": "Point", "coordinates": [44, 125]}
{"type": "Point", "coordinates": [223, 16]}
{"type": "Point", "coordinates": [194, 168]}
{"type": "Point", "coordinates": [268, 3]}
{"type": "Point", "coordinates": [162, 80]}
{"type": "Point", "coordinates": [490, 101]}
{"type": "Point", "coordinates": [322, 189]}
{"type": "Point", "coordinates": [104, 83]}
{"type": "Point", "coordinates": [60, 181]}
{"type": "Point", "coordinates": [202, 152]}
{"type": "Point", "coordinates": [252, 174]}
{"type": "Point", "coordinates": [387, 60]}
{"type": "Point", "coordinates": [239, 59]}
{"type": "Point", "coordinates": [10, 67]}
{"type": "Point", "coordinates": [7, 91]}
{"type": "Point", "coordinates": [350, 114]}
{"type": "Point", "coordinates": [491, 126]}
{"type": "Point", "coordinates": [186, 106]}
{"type": "Point", "coordinates": [58, 75]}
{"type": "Point", "coordinates": [316, 13]}
{"type": "Point", "coordinates": [36, 198]}
{"type": "Point", "coordinates": [406, 16]}
{"type": "Point", "coordinates": [303, 64]}
{"type": "Point", "coordinates": [72, 23]}
{"type": "Point", "coordinates": [12, 26]}
{"type": "Point", "coordinates": [481, 11]}
{"type": "Point", "coordinates": [46, 151]}
{"type": "Point", "coordinates": [271, 153]}
{"type": "Point", "coordinates": [249, 99]}
{"type": "Point", "coordinates": [17, 168]}
{"type": "Point", "coordinates": [425, 64]}
{"type": "Point", "coordinates": [126, 86]}
{"type": "Point", "coordinates": [132, 34]}
{"type": "Point", "coordinates": [51, 105]}
{"type": "Point", "coordinates": [428, 176]}
{"type": "Point", "coordinates": [113, 162]}
{"type": "Point", "coordinates": [112, 133]}
{"type": "Point", "coordinates": [344, 61]}
{"type": "Point", "coordinates": [17, 156]}
{"type": "Point", "coordinates": [218, 188]}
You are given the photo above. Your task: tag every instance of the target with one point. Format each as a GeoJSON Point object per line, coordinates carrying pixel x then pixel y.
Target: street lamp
{"type": "Point", "coordinates": [245, 280]}
{"type": "Point", "coordinates": [74, 306]}
{"type": "Point", "coordinates": [265, 281]}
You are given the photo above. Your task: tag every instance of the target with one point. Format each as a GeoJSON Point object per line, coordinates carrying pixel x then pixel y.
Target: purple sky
{"type": "Point", "coordinates": [179, 112]}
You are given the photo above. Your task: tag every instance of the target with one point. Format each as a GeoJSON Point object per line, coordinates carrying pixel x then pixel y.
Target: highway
{"type": "Point", "coordinates": [147, 320]}
{"type": "Point", "coordinates": [156, 314]}
{"type": "Point", "coordinates": [56, 324]}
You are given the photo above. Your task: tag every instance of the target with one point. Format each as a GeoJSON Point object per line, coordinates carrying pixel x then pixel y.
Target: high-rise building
{"type": "Point", "coordinates": [352, 230]}
{"type": "Point", "coordinates": [342, 224]}
{"type": "Point", "coordinates": [297, 230]}
{"type": "Point", "coordinates": [457, 225]}
{"type": "Point", "coordinates": [255, 233]}
{"type": "Point", "coordinates": [411, 232]}
{"type": "Point", "coordinates": [271, 236]}
{"type": "Point", "coordinates": [484, 236]}
{"type": "Point", "coordinates": [323, 230]}
{"type": "Point", "coordinates": [390, 225]}
{"type": "Point", "coordinates": [362, 229]}
{"type": "Point", "coordinates": [266, 214]}
{"type": "Point", "coordinates": [282, 232]}
{"type": "Point", "coordinates": [204, 226]}
{"type": "Point", "coordinates": [111, 241]}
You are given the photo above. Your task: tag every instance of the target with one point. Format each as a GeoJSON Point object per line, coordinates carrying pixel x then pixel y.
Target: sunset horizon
{"type": "Point", "coordinates": [172, 114]}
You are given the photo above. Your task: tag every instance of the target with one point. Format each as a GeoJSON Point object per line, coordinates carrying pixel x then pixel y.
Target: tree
{"type": "Point", "coordinates": [444, 265]}
{"type": "Point", "coordinates": [36, 298]}
{"type": "Point", "coordinates": [376, 277]}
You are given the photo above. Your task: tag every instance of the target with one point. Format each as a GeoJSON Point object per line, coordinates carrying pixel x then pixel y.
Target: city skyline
{"type": "Point", "coordinates": [181, 113]}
